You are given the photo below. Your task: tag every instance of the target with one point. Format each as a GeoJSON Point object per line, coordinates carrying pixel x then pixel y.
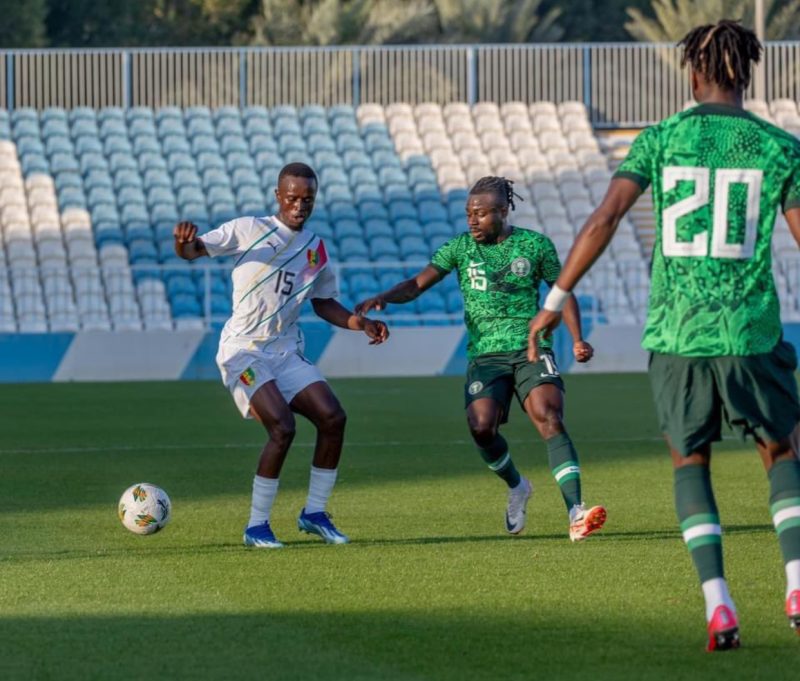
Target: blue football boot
{"type": "Point", "coordinates": [261, 537]}
{"type": "Point", "coordinates": [320, 524]}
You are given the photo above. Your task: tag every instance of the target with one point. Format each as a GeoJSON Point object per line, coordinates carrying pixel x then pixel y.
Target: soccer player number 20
{"type": "Point", "coordinates": [723, 179]}
{"type": "Point", "coordinates": [287, 279]}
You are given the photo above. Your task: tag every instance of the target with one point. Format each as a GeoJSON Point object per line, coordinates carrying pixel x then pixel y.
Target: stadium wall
{"type": "Point", "coordinates": [189, 355]}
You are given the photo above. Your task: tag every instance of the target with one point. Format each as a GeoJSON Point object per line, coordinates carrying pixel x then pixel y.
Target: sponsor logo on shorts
{"type": "Point", "coordinates": [248, 376]}
{"type": "Point", "coordinates": [521, 267]}
{"type": "Point", "coordinates": [475, 387]}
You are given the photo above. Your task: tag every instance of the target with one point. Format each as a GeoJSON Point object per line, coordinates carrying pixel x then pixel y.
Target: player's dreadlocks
{"type": "Point", "coordinates": [501, 186]}
{"type": "Point", "coordinates": [722, 52]}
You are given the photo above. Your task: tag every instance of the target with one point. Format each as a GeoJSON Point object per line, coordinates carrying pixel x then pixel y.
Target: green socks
{"type": "Point", "coordinates": [498, 458]}
{"type": "Point", "coordinates": [699, 519]}
{"type": "Point", "coordinates": [784, 501]}
{"type": "Point", "coordinates": [564, 464]}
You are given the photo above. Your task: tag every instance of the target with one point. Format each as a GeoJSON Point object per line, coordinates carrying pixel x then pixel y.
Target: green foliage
{"type": "Point", "coordinates": [673, 19]}
{"type": "Point", "coordinates": [22, 23]}
{"type": "Point", "coordinates": [497, 21]}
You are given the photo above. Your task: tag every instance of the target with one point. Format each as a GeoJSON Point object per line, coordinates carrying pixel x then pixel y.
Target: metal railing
{"type": "Point", "coordinates": [622, 84]}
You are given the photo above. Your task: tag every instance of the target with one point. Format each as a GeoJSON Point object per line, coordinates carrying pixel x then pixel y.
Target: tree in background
{"type": "Point", "coordinates": [496, 21]}
{"type": "Point", "coordinates": [673, 19]}
{"type": "Point", "coordinates": [23, 23]}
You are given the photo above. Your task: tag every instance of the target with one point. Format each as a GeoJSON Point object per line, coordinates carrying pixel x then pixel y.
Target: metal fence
{"type": "Point", "coordinates": [622, 85]}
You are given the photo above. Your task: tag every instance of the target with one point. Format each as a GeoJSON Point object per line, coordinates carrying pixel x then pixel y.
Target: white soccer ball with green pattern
{"type": "Point", "coordinates": [144, 508]}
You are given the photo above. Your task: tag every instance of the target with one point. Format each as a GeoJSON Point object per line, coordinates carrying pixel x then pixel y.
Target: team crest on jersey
{"type": "Point", "coordinates": [475, 387]}
{"type": "Point", "coordinates": [521, 267]}
{"type": "Point", "coordinates": [248, 376]}
{"type": "Point", "coordinates": [316, 256]}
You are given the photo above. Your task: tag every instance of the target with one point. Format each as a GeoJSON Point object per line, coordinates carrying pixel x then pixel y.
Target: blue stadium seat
{"type": "Point", "coordinates": [222, 211]}
{"type": "Point", "coordinates": [204, 144]}
{"type": "Point", "coordinates": [338, 192]}
{"type": "Point", "coordinates": [88, 145]}
{"type": "Point", "coordinates": [432, 302]}
{"type": "Point", "coordinates": [369, 210]}
{"type": "Point", "coordinates": [439, 240]}
{"type": "Point", "coordinates": [333, 175]}
{"type": "Point", "coordinates": [367, 192]}
{"type": "Point", "coordinates": [251, 208]}
{"type": "Point", "coordinates": [30, 145]}
{"type": "Point", "coordinates": [460, 225]}
{"type": "Point", "coordinates": [226, 113]}
{"type": "Point", "coordinates": [185, 178]}
{"type": "Point", "coordinates": [257, 126]}
{"type": "Point", "coordinates": [390, 278]}
{"type": "Point", "coordinates": [180, 284]}
{"type": "Point", "coordinates": [417, 161]}
{"type": "Point", "coordinates": [230, 127]}
{"type": "Point", "coordinates": [71, 197]}
{"type": "Point", "coordinates": [255, 113]}
{"type": "Point", "coordinates": [239, 160]}
{"type": "Point", "coordinates": [382, 246]}
{"type": "Point", "coordinates": [268, 164]}
{"type": "Point", "coordinates": [290, 145]}
{"type": "Point", "coordinates": [189, 195]}
{"type": "Point", "coordinates": [199, 127]}
{"type": "Point", "coordinates": [95, 179]}
{"type": "Point", "coordinates": [214, 177]}
{"type": "Point", "coordinates": [387, 159]}
{"type": "Point", "coordinates": [343, 229]}
{"type": "Point", "coordinates": [173, 126]}
{"type": "Point", "coordinates": [286, 127]}
{"type": "Point", "coordinates": [397, 192]}
{"type": "Point", "coordinates": [454, 300]}
{"type": "Point", "coordinates": [134, 215]}
{"type": "Point", "coordinates": [220, 193]}
{"type": "Point", "coordinates": [160, 178]}
{"type": "Point", "coordinates": [82, 113]}
{"type": "Point", "coordinates": [399, 210]}
{"type": "Point", "coordinates": [311, 111]}
{"type": "Point", "coordinates": [360, 176]}
{"type": "Point", "coordinates": [405, 228]}
{"type": "Point", "coordinates": [111, 112]}
{"type": "Point", "coordinates": [427, 192]}
{"type": "Point", "coordinates": [140, 113]}
{"type": "Point", "coordinates": [168, 112]}
{"type": "Point", "coordinates": [362, 281]}
{"type": "Point", "coordinates": [324, 150]}
{"type": "Point", "coordinates": [174, 144]}
{"type": "Point", "coordinates": [378, 227]}
{"type": "Point", "coordinates": [141, 126]}
{"type": "Point", "coordinates": [321, 228]}
{"type": "Point", "coordinates": [90, 162]}
{"type": "Point", "coordinates": [131, 196]}
{"type": "Point", "coordinates": [251, 195]}
{"type": "Point", "coordinates": [379, 143]}
{"type": "Point", "coordinates": [221, 305]}
{"type": "Point", "coordinates": [54, 127]}
{"type": "Point", "coordinates": [437, 228]}
{"type": "Point", "coordinates": [208, 159]}
{"type": "Point", "coordinates": [431, 211]}
{"type": "Point", "coordinates": [163, 214]}
{"type": "Point", "coordinates": [5, 129]}
{"type": "Point", "coordinates": [197, 112]}
{"type": "Point", "coordinates": [389, 175]}
{"type": "Point", "coordinates": [414, 247]}
{"type": "Point", "coordinates": [284, 111]}
{"type": "Point", "coordinates": [342, 210]}
{"type": "Point", "coordinates": [53, 113]}
{"type": "Point", "coordinates": [233, 144]}
{"type": "Point", "coordinates": [161, 196]}
{"type": "Point", "coordinates": [341, 110]}
{"type": "Point", "coordinates": [349, 142]}
{"type": "Point", "coordinates": [127, 178]}
{"type": "Point", "coordinates": [343, 125]}
{"type": "Point", "coordinates": [180, 160]}
{"type": "Point", "coordinates": [144, 144]}
{"type": "Point", "coordinates": [421, 175]}
{"type": "Point", "coordinates": [60, 163]}
{"type": "Point", "coordinates": [26, 114]}
{"type": "Point", "coordinates": [37, 163]}
{"type": "Point", "coordinates": [116, 162]}
{"type": "Point", "coordinates": [245, 177]}
{"type": "Point", "coordinates": [108, 128]}
{"type": "Point", "coordinates": [316, 126]}
{"type": "Point", "coordinates": [355, 158]}
{"type": "Point", "coordinates": [107, 233]}
{"type": "Point", "coordinates": [103, 205]}
{"type": "Point", "coordinates": [262, 143]}
{"type": "Point", "coordinates": [184, 306]}
{"type": "Point", "coordinates": [142, 251]}
{"type": "Point", "coordinates": [138, 230]}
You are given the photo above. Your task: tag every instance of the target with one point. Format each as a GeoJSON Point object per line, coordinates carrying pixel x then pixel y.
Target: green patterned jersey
{"type": "Point", "coordinates": [719, 175]}
{"type": "Point", "coordinates": [500, 284]}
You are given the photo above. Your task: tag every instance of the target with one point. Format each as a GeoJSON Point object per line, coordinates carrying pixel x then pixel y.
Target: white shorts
{"type": "Point", "coordinates": [245, 371]}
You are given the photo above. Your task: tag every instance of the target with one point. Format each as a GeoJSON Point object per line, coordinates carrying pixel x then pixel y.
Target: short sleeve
{"type": "Point", "coordinates": [791, 191]}
{"type": "Point", "coordinates": [550, 265]}
{"type": "Point", "coordinates": [444, 259]}
{"type": "Point", "coordinates": [224, 240]}
{"type": "Point", "coordinates": [638, 164]}
{"type": "Point", "coordinates": [325, 285]}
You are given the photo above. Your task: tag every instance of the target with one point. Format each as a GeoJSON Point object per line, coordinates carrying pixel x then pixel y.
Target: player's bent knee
{"type": "Point", "coordinates": [482, 431]}
{"type": "Point", "coordinates": [333, 422]}
{"type": "Point", "coordinates": [282, 432]}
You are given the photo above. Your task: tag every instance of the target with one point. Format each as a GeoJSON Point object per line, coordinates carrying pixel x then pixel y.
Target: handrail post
{"type": "Point", "coordinates": [472, 75]}
{"type": "Point", "coordinates": [356, 77]}
{"type": "Point", "coordinates": [10, 81]}
{"type": "Point", "coordinates": [243, 98]}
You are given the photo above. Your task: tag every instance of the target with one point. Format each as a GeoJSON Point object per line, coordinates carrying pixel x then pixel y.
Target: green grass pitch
{"type": "Point", "coordinates": [431, 588]}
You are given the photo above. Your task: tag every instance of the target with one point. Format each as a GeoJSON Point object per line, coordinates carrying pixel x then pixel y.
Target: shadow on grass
{"type": "Point", "coordinates": [360, 544]}
{"type": "Point", "coordinates": [368, 646]}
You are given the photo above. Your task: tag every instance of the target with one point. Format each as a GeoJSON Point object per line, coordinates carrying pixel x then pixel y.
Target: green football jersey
{"type": "Point", "coordinates": [500, 284]}
{"type": "Point", "coordinates": [719, 175]}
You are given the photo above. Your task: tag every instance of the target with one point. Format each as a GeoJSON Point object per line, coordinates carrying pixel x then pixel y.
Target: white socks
{"type": "Point", "coordinates": [716, 594]}
{"type": "Point", "coordinates": [792, 576]}
{"type": "Point", "coordinates": [320, 486]}
{"type": "Point", "coordinates": [264, 491]}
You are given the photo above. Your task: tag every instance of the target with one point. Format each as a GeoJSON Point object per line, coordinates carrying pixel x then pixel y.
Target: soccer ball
{"type": "Point", "coordinates": [144, 508]}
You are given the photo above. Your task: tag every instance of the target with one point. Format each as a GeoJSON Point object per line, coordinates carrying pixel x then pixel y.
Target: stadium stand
{"type": "Point", "coordinates": [88, 200]}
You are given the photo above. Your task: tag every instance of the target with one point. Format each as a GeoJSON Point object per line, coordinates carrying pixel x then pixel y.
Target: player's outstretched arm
{"type": "Point", "coordinates": [588, 247]}
{"type": "Point", "coordinates": [404, 292]}
{"type": "Point", "coordinates": [187, 245]}
{"type": "Point", "coordinates": [793, 220]}
{"type": "Point", "coordinates": [581, 349]}
{"type": "Point", "coordinates": [333, 312]}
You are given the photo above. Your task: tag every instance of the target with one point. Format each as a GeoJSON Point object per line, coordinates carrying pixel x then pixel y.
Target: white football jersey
{"type": "Point", "coordinates": [275, 270]}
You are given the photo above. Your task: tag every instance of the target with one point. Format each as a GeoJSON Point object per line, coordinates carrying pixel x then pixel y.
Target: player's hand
{"type": "Point", "coordinates": [543, 323]}
{"type": "Point", "coordinates": [185, 232]}
{"type": "Point", "coordinates": [377, 331]}
{"type": "Point", "coordinates": [374, 303]}
{"type": "Point", "coordinates": [582, 350]}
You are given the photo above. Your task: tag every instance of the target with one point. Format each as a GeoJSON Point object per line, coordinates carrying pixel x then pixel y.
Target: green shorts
{"type": "Point", "coordinates": [756, 395]}
{"type": "Point", "coordinates": [502, 375]}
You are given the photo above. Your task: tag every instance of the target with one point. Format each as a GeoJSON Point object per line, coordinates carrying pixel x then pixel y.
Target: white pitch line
{"type": "Point", "coordinates": [256, 445]}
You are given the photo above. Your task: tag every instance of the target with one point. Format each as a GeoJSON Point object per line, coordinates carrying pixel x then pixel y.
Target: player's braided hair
{"type": "Point", "coordinates": [501, 186]}
{"type": "Point", "coordinates": [722, 52]}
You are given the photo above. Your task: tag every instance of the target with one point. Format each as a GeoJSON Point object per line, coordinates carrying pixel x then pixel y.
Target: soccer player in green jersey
{"type": "Point", "coordinates": [499, 271]}
{"type": "Point", "coordinates": [719, 174]}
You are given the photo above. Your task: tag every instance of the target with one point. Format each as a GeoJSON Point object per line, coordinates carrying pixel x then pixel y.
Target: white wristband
{"type": "Point", "coordinates": [556, 299]}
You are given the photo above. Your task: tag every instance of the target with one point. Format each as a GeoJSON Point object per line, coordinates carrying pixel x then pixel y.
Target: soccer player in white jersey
{"type": "Point", "coordinates": [278, 265]}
